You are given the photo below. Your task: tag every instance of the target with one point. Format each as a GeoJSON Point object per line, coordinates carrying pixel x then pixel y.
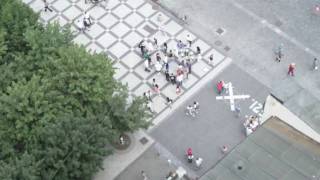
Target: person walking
{"type": "Point", "coordinates": [198, 50]}
{"type": "Point", "coordinates": [291, 69]}
{"type": "Point", "coordinates": [315, 64]}
{"type": "Point", "coordinates": [46, 6]}
{"type": "Point", "coordinates": [211, 59]}
{"type": "Point", "coordinates": [144, 175]}
{"type": "Point", "coordinates": [199, 162]}
{"type": "Point", "coordinates": [189, 68]}
{"type": "Point", "coordinates": [165, 47]}
{"type": "Point", "coordinates": [189, 40]}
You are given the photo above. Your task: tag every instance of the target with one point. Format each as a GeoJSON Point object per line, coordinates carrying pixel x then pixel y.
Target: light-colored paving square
{"type": "Point", "coordinates": [146, 10]}
{"type": "Point", "coordinates": [97, 12]}
{"type": "Point", "coordinates": [217, 57]}
{"type": "Point", "coordinates": [132, 39]}
{"type": "Point", "coordinates": [120, 70]}
{"type": "Point", "coordinates": [159, 22]}
{"type": "Point", "coordinates": [47, 16]}
{"type": "Point", "coordinates": [122, 11]}
{"type": "Point", "coordinates": [119, 49]}
{"type": "Point", "coordinates": [158, 103]}
{"type": "Point", "coordinates": [187, 83]}
{"type": "Point", "coordinates": [59, 19]}
{"type": "Point", "coordinates": [141, 72]}
{"type": "Point", "coordinates": [160, 37]}
{"type": "Point", "coordinates": [131, 59]}
{"type": "Point", "coordinates": [132, 81]}
{"type": "Point", "coordinates": [183, 36]}
{"type": "Point", "coordinates": [203, 46]}
{"type": "Point", "coordinates": [141, 89]}
{"type": "Point", "coordinates": [172, 27]}
{"type": "Point", "coordinates": [108, 20]}
{"type": "Point", "coordinates": [95, 31]}
{"type": "Point", "coordinates": [134, 19]}
{"type": "Point", "coordinates": [61, 5]}
{"type": "Point", "coordinates": [120, 29]}
{"type": "Point", "coordinates": [72, 13]}
{"type": "Point", "coordinates": [81, 39]}
{"type": "Point", "coordinates": [112, 4]}
{"type": "Point", "coordinates": [201, 68]}
{"type": "Point", "coordinates": [94, 48]}
{"type": "Point", "coordinates": [106, 39]}
{"type": "Point", "coordinates": [134, 3]}
{"type": "Point", "coordinates": [160, 80]}
{"type": "Point", "coordinates": [170, 91]}
{"type": "Point", "coordinates": [37, 6]}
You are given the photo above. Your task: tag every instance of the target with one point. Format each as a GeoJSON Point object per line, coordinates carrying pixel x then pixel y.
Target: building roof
{"type": "Point", "coordinates": [276, 151]}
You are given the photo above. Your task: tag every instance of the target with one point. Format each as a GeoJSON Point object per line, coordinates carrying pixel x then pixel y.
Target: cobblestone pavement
{"type": "Point", "coordinates": [119, 25]}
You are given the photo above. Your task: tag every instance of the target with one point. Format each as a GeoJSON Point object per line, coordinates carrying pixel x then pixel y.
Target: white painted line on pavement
{"type": "Point", "coordinates": [190, 92]}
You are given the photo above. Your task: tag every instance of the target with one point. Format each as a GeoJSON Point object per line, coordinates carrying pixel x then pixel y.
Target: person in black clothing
{"type": "Point", "coordinates": [46, 6]}
{"type": "Point", "coordinates": [198, 50]}
{"type": "Point", "coordinates": [172, 78]}
{"type": "Point", "coordinates": [167, 75]}
{"type": "Point", "coordinates": [165, 47]}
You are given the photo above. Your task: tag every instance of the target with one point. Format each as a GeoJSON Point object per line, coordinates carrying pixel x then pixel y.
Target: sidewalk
{"type": "Point", "coordinates": [118, 27]}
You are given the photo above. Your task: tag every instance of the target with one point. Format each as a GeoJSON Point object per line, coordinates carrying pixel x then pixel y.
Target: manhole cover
{"type": "Point", "coordinates": [220, 31]}
{"type": "Point", "coordinates": [218, 43]}
{"type": "Point", "coordinates": [278, 23]}
{"type": "Point", "coordinates": [144, 140]}
{"type": "Point", "coordinates": [227, 48]}
{"type": "Point", "coordinates": [149, 29]}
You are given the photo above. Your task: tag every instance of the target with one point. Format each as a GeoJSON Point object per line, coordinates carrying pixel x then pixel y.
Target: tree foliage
{"type": "Point", "coordinates": [59, 105]}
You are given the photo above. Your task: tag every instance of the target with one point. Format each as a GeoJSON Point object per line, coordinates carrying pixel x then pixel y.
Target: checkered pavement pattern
{"type": "Point", "coordinates": [119, 25]}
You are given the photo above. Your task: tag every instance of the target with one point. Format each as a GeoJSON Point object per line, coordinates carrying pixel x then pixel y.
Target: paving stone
{"type": "Point", "coordinates": [108, 20]}
{"type": "Point", "coordinates": [27, 1]}
{"type": "Point", "coordinates": [135, 3]}
{"type": "Point", "coordinates": [201, 68]}
{"type": "Point", "coordinates": [97, 12]}
{"type": "Point", "coordinates": [106, 40]}
{"type": "Point", "coordinates": [170, 91]}
{"type": "Point", "coordinates": [146, 10]}
{"type": "Point", "coordinates": [122, 11]}
{"type": "Point", "coordinates": [94, 48]}
{"type": "Point", "coordinates": [132, 81]}
{"type": "Point", "coordinates": [183, 36]}
{"type": "Point", "coordinates": [217, 57]}
{"type": "Point", "coordinates": [141, 89]}
{"type": "Point", "coordinates": [164, 19]}
{"type": "Point", "coordinates": [158, 103]}
{"type": "Point", "coordinates": [172, 27]}
{"type": "Point", "coordinates": [59, 19]}
{"type": "Point", "coordinates": [131, 59]}
{"type": "Point", "coordinates": [72, 13]}
{"type": "Point", "coordinates": [134, 19]}
{"type": "Point", "coordinates": [160, 80]}
{"type": "Point", "coordinates": [146, 25]}
{"type": "Point", "coordinates": [133, 39]}
{"type": "Point", "coordinates": [120, 70]}
{"type": "Point", "coordinates": [187, 83]}
{"type": "Point", "coordinates": [141, 72]}
{"type": "Point", "coordinates": [119, 49]}
{"type": "Point", "coordinates": [161, 38]}
{"type": "Point", "coordinates": [113, 3]}
{"type": "Point", "coordinates": [37, 6]}
{"type": "Point", "coordinates": [120, 29]}
{"type": "Point", "coordinates": [47, 16]}
{"type": "Point", "coordinates": [203, 46]}
{"type": "Point", "coordinates": [82, 39]}
{"type": "Point", "coordinates": [61, 5]}
{"type": "Point", "coordinates": [95, 31]}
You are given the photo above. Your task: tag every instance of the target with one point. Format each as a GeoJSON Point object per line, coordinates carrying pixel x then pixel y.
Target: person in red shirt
{"type": "Point", "coordinates": [291, 69]}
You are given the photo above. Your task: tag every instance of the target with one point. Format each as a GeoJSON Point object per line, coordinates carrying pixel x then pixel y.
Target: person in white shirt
{"type": "Point", "coordinates": [199, 162]}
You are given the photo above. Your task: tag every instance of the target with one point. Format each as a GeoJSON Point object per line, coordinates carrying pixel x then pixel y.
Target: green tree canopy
{"type": "Point", "coordinates": [59, 105]}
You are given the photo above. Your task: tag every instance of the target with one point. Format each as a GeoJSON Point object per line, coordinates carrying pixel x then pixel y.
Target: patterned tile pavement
{"type": "Point", "coordinates": [119, 25]}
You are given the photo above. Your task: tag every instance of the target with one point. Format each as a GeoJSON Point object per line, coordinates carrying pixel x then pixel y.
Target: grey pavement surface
{"type": "Point", "coordinates": [153, 163]}
{"type": "Point", "coordinates": [214, 126]}
{"type": "Point", "coordinates": [252, 30]}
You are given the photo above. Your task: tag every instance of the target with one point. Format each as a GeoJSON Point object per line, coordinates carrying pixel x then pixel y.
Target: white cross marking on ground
{"type": "Point", "coordinates": [231, 96]}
